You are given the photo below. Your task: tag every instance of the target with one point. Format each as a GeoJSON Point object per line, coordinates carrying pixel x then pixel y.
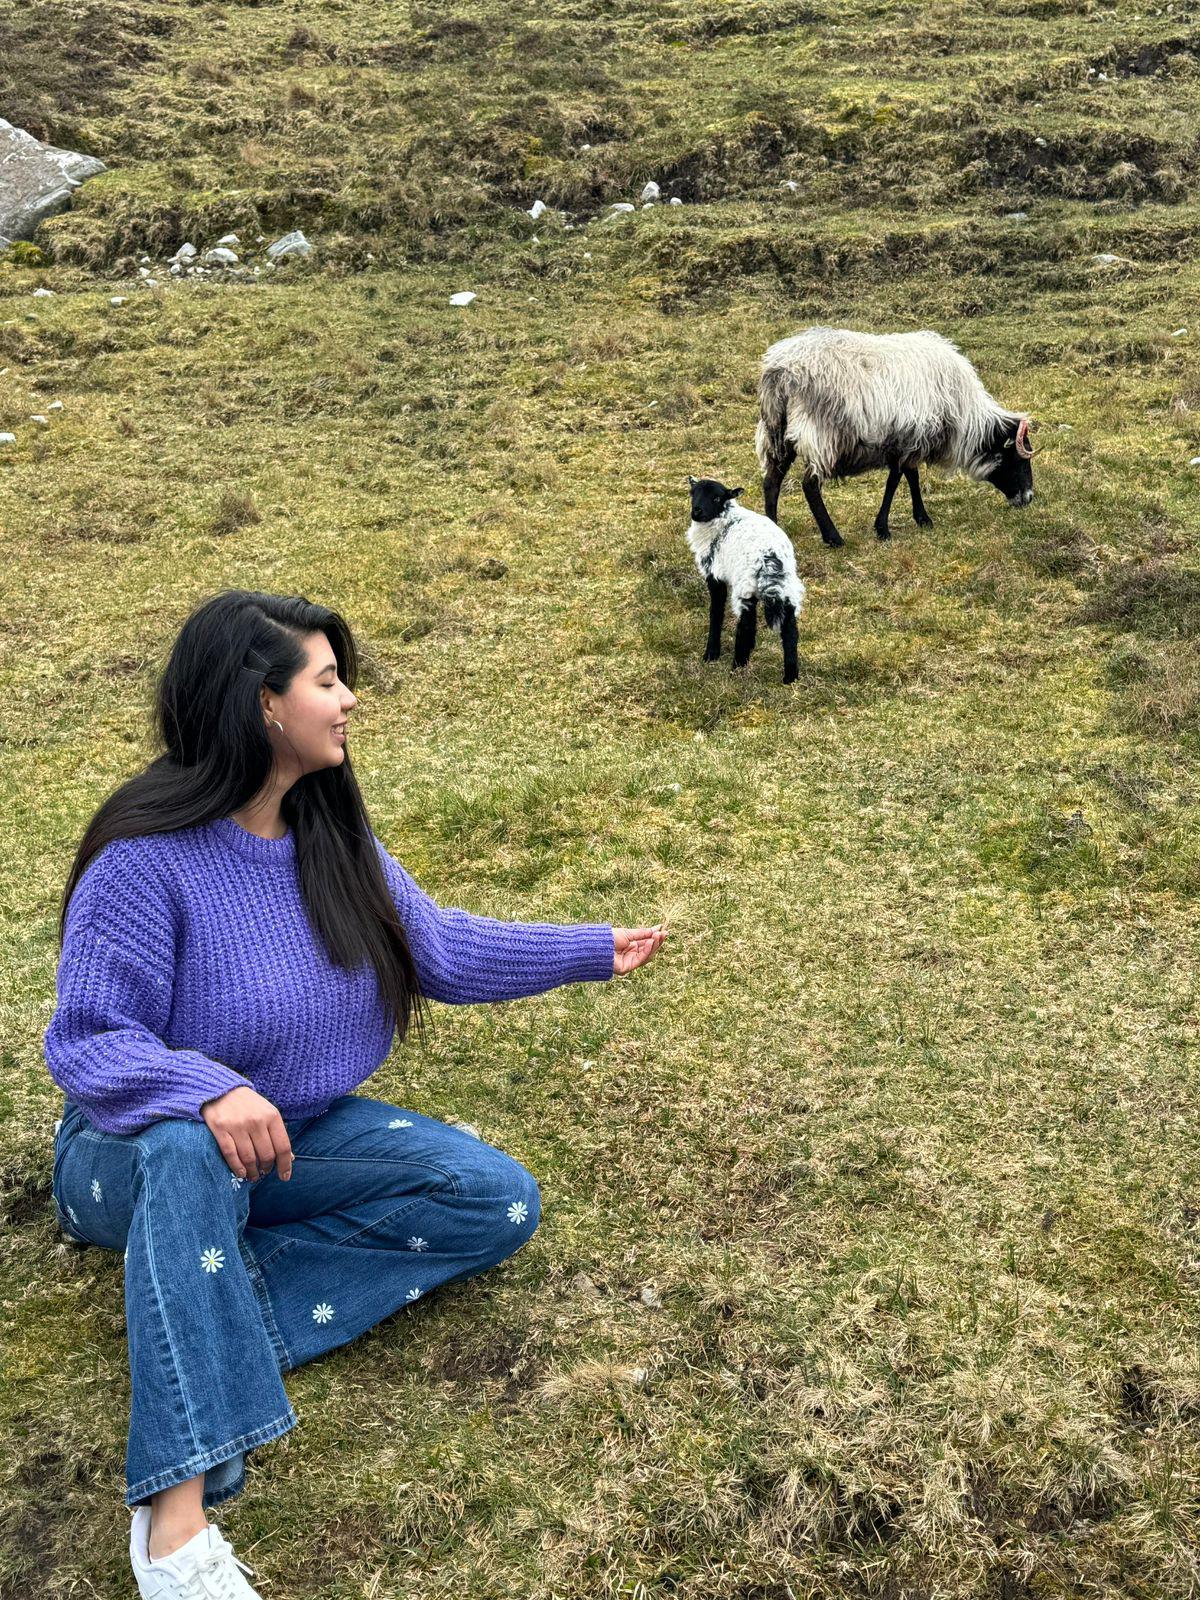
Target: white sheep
{"type": "Point", "coordinates": [744, 557]}
{"type": "Point", "coordinates": [845, 402]}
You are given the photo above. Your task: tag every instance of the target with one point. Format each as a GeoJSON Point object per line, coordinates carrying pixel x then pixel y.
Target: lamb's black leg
{"type": "Point", "coordinates": [789, 634]}
{"type": "Point", "coordinates": [747, 632]}
{"type": "Point", "coordinates": [773, 478]}
{"type": "Point", "coordinates": [812, 493]}
{"type": "Point", "coordinates": [881, 516]}
{"type": "Point", "coordinates": [717, 594]}
{"type": "Point", "coordinates": [920, 516]}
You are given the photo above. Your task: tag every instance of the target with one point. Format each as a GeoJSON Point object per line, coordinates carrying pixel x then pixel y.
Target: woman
{"type": "Point", "coordinates": [238, 953]}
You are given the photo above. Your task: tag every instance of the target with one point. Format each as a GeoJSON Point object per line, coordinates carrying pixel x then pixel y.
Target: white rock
{"type": "Point", "coordinates": [585, 147]}
{"type": "Point", "coordinates": [537, 209]}
{"type": "Point", "coordinates": [143, 272]}
{"type": "Point", "coordinates": [41, 421]}
{"type": "Point", "coordinates": [229, 238]}
{"type": "Point", "coordinates": [152, 283]}
{"type": "Point", "coordinates": [292, 244]}
{"type": "Point", "coordinates": [1102, 77]}
{"type": "Point", "coordinates": [1194, 462]}
{"type": "Point", "coordinates": [55, 405]}
{"type": "Point", "coordinates": [117, 300]}
{"type": "Point", "coordinates": [36, 181]}
{"type": "Point", "coordinates": [649, 205]}
{"type": "Point", "coordinates": [220, 257]}
{"type": "Point", "coordinates": [650, 1297]}
{"type": "Point", "coordinates": [651, 192]}
{"type": "Point", "coordinates": [675, 200]}
{"type": "Point", "coordinates": [1179, 333]}
{"type": "Point", "coordinates": [42, 294]}
{"type": "Point", "coordinates": [463, 297]}
{"type": "Point", "coordinates": [621, 206]}
{"type": "Point", "coordinates": [186, 252]}
{"type": "Point", "coordinates": [1016, 216]}
{"type": "Point", "coordinates": [176, 269]}
{"type": "Point", "coordinates": [8, 438]}
{"type": "Point", "coordinates": [1042, 142]}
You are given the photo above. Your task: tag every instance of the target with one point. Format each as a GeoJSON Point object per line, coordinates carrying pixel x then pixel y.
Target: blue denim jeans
{"type": "Point", "coordinates": [230, 1283]}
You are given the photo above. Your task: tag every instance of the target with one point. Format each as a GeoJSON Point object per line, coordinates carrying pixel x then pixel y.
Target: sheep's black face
{"type": "Point", "coordinates": [709, 498]}
{"type": "Point", "coordinates": [1009, 471]}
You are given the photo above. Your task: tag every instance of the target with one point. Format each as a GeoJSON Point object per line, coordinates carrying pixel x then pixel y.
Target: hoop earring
{"type": "Point", "coordinates": [279, 725]}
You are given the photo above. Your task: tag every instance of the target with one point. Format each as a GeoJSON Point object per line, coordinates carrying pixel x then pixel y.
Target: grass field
{"type": "Point", "coordinates": [900, 1130]}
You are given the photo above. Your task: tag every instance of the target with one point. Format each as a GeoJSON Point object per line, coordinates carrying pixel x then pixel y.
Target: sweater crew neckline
{"type": "Point", "coordinates": [251, 845]}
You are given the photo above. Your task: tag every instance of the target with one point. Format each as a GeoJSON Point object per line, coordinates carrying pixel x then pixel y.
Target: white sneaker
{"type": "Point", "coordinates": [205, 1568]}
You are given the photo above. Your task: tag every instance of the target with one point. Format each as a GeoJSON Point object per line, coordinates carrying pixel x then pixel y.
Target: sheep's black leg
{"type": "Point", "coordinates": [717, 594]}
{"type": "Point", "coordinates": [881, 516]}
{"type": "Point", "coordinates": [773, 478]}
{"type": "Point", "coordinates": [920, 516]}
{"type": "Point", "coordinates": [789, 634]}
{"type": "Point", "coordinates": [812, 493]}
{"type": "Point", "coordinates": [747, 632]}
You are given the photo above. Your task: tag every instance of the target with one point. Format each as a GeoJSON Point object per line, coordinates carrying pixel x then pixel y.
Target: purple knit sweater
{"type": "Point", "coordinates": [189, 967]}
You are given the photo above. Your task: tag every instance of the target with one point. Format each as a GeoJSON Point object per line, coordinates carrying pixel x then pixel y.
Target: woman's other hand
{"type": "Point", "coordinates": [633, 947]}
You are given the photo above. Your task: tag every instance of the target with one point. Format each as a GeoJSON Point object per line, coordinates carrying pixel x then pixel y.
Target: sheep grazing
{"type": "Point", "coordinates": [845, 402]}
{"type": "Point", "coordinates": [743, 557]}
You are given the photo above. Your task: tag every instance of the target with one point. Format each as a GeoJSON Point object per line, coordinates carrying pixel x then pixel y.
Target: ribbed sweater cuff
{"type": "Point", "coordinates": [592, 960]}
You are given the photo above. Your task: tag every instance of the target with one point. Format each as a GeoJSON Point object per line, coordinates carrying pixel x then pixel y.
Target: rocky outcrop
{"type": "Point", "coordinates": [36, 180]}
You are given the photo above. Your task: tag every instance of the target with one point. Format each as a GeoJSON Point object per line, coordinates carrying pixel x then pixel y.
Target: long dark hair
{"type": "Point", "coordinates": [217, 757]}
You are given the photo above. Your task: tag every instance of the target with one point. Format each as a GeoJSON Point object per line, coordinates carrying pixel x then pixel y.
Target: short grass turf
{"type": "Point", "coordinates": [869, 1263]}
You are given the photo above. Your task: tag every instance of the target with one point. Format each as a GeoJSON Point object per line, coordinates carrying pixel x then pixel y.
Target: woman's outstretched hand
{"type": "Point", "coordinates": [633, 947]}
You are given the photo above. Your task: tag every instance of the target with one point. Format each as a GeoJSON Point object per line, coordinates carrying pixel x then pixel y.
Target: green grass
{"type": "Point", "coordinates": [901, 1127]}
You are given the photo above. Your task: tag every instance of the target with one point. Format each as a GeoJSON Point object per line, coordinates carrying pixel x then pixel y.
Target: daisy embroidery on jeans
{"type": "Point", "coordinates": [212, 1260]}
{"type": "Point", "coordinates": [518, 1211]}
{"type": "Point", "coordinates": [323, 1313]}
{"type": "Point", "coordinates": [413, 1294]}
{"type": "Point", "coordinates": [416, 1243]}
{"type": "Point", "coordinates": [97, 1191]}
{"type": "Point", "coordinates": [399, 1122]}
{"type": "Point", "coordinates": [235, 1180]}
{"type": "Point", "coordinates": [71, 1214]}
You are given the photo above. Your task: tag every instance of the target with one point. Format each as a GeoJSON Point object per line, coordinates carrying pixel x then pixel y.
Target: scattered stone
{"type": "Point", "coordinates": [117, 300]}
{"type": "Point", "coordinates": [621, 206]}
{"type": "Point", "coordinates": [537, 209]}
{"type": "Point", "coordinates": [1040, 141]}
{"type": "Point", "coordinates": [40, 421]}
{"type": "Point", "coordinates": [292, 244]}
{"type": "Point", "coordinates": [42, 294]}
{"type": "Point", "coordinates": [1194, 462]}
{"type": "Point", "coordinates": [789, 183]}
{"type": "Point", "coordinates": [229, 238]}
{"type": "Point", "coordinates": [1016, 216]}
{"type": "Point", "coordinates": [1179, 333]}
{"type": "Point", "coordinates": [585, 147]}
{"type": "Point", "coordinates": [651, 193]}
{"type": "Point", "coordinates": [8, 438]}
{"type": "Point", "coordinates": [220, 257]}
{"type": "Point", "coordinates": [152, 283]}
{"type": "Point", "coordinates": [176, 269]}
{"type": "Point", "coordinates": [493, 568]}
{"type": "Point", "coordinates": [675, 200]}
{"type": "Point", "coordinates": [186, 252]}
{"type": "Point", "coordinates": [36, 181]}
{"type": "Point", "coordinates": [650, 1297]}
{"type": "Point", "coordinates": [463, 297]}
{"type": "Point", "coordinates": [143, 272]}
{"type": "Point", "coordinates": [55, 405]}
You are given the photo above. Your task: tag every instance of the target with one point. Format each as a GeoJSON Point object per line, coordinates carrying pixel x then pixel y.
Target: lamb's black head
{"type": "Point", "coordinates": [1011, 470]}
{"type": "Point", "coordinates": [709, 498]}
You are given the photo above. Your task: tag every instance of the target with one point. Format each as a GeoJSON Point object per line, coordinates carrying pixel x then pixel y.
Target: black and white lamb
{"type": "Point", "coordinates": [844, 402]}
{"type": "Point", "coordinates": [744, 557]}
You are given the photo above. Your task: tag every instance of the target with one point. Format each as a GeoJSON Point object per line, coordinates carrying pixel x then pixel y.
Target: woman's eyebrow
{"type": "Point", "coordinates": [330, 666]}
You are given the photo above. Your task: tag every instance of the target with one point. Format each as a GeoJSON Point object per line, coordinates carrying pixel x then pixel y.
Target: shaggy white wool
{"type": "Point", "coordinates": [843, 399]}
{"type": "Point", "coordinates": [752, 555]}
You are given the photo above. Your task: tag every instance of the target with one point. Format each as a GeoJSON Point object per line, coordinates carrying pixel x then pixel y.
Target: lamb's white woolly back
{"type": "Point", "coordinates": [742, 538]}
{"type": "Point", "coordinates": [870, 388]}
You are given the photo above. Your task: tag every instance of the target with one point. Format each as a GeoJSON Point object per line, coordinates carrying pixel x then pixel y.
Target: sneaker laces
{"type": "Point", "coordinates": [210, 1576]}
